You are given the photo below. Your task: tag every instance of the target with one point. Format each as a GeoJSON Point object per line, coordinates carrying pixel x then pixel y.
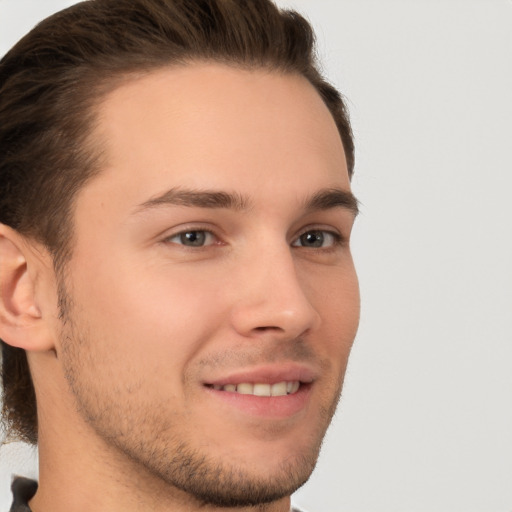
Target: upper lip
{"type": "Point", "coordinates": [268, 374]}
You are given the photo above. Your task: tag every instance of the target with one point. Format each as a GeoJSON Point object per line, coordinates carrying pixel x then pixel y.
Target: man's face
{"type": "Point", "coordinates": [212, 266]}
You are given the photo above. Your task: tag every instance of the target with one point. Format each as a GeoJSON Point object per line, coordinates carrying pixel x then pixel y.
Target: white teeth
{"type": "Point", "coordinates": [245, 389]}
{"type": "Point", "coordinates": [279, 389]}
{"type": "Point", "coordinates": [261, 389]}
{"type": "Point", "coordinates": [292, 387]}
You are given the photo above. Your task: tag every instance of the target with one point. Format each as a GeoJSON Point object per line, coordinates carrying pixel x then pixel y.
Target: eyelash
{"type": "Point", "coordinates": [185, 232]}
{"type": "Point", "coordinates": [336, 239]}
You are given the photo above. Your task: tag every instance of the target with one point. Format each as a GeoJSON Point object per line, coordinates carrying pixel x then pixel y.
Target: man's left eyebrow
{"type": "Point", "coordinates": [333, 198]}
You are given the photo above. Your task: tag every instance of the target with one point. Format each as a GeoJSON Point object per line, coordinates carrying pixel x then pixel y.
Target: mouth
{"type": "Point", "coordinates": [279, 391]}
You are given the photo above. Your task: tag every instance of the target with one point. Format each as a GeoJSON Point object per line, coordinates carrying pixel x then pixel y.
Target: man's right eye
{"type": "Point", "coordinates": [192, 238]}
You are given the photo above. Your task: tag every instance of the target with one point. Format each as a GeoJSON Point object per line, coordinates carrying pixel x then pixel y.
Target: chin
{"type": "Point", "coordinates": [239, 484]}
{"type": "Point", "coordinates": [233, 478]}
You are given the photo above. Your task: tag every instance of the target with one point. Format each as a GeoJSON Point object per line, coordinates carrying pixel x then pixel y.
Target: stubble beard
{"type": "Point", "coordinates": [150, 440]}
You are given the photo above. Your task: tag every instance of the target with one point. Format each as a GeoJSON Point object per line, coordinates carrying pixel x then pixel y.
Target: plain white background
{"type": "Point", "coordinates": [425, 422]}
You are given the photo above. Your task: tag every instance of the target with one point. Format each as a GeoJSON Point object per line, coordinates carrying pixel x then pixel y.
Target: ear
{"type": "Point", "coordinates": [22, 323]}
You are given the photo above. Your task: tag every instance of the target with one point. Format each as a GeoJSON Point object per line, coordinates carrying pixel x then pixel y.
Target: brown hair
{"type": "Point", "coordinates": [53, 78]}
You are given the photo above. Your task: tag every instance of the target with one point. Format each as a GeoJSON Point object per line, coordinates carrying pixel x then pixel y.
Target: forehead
{"type": "Point", "coordinates": [207, 124]}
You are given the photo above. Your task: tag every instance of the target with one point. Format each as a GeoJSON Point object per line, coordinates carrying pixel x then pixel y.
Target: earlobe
{"type": "Point", "coordinates": [21, 320]}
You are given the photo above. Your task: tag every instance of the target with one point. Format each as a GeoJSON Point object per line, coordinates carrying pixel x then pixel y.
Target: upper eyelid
{"type": "Point", "coordinates": [326, 229]}
{"type": "Point", "coordinates": [187, 229]}
{"type": "Point", "coordinates": [169, 240]}
{"type": "Point", "coordinates": [339, 238]}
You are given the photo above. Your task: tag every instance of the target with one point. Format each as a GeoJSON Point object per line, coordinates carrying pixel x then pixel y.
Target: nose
{"type": "Point", "coordinates": [270, 298]}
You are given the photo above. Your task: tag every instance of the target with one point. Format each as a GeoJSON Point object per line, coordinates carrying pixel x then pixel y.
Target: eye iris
{"type": "Point", "coordinates": [193, 238]}
{"type": "Point", "coordinates": [312, 239]}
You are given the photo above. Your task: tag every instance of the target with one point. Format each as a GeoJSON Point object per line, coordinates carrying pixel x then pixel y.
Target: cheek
{"type": "Point", "coordinates": [154, 316]}
{"type": "Point", "coordinates": [336, 299]}
{"type": "Point", "coordinates": [334, 293]}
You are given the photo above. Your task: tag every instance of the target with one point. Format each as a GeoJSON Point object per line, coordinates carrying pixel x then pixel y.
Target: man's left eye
{"type": "Point", "coordinates": [193, 238]}
{"type": "Point", "coordinates": [317, 239]}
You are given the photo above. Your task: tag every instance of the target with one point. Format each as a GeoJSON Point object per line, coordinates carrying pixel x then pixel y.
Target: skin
{"type": "Point", "coordinates": [124, 409]}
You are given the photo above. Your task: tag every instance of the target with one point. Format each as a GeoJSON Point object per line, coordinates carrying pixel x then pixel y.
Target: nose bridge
{"type": "Point", "coordinates": [271, 296]}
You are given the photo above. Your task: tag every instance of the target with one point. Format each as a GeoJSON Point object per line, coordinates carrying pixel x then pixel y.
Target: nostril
{"type": "Point", "coordinates": [269, 328]}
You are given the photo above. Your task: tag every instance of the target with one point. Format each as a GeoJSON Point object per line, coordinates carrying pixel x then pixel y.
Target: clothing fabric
{"type": "Point", "coordinates": [24, 489]}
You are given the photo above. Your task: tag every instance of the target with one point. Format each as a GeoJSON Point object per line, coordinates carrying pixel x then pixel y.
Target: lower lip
{"type": "Point", "coordinates": [266, 406]}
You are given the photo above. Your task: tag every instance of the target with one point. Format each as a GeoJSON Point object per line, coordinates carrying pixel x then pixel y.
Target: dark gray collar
{"type": "Point", "coordinates": [23, 490]}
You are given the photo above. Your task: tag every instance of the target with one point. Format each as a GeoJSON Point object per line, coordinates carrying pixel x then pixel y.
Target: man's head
{"type": "Point", "coordinates": [178, 208]}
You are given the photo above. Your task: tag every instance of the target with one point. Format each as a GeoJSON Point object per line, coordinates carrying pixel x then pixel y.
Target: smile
{"type": "Point", "coordinates": [260, 389]}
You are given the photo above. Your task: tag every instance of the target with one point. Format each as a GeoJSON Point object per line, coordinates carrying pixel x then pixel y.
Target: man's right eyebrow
{"type": "Point", "coordinates": [197, 199]}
